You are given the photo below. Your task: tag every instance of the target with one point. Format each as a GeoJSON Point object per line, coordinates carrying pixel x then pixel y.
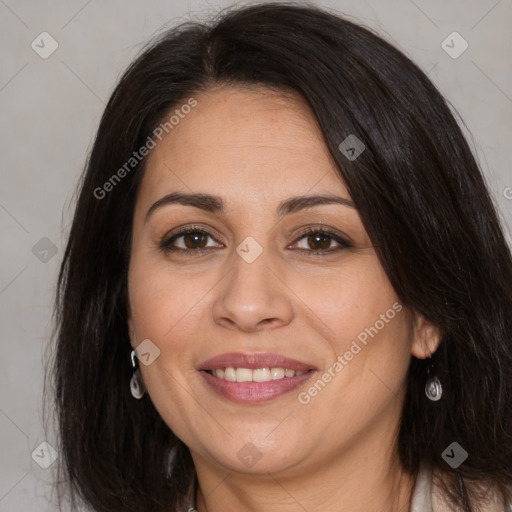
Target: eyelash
{"type": "Point", "coordinates": [166, 243]}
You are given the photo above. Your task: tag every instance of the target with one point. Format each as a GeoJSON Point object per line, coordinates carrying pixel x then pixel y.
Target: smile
{"type": "Point", "coordinates": [258, 375]}
{"type": "Point", "coordinates": [254, 378]}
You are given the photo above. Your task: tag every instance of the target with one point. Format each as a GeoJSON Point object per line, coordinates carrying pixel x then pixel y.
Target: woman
{"type": "Point", "coordinates": [282, 221]}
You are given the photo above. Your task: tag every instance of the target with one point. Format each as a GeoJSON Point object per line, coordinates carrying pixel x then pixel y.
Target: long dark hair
{"type": "Point", "coordinates": [423, 202]}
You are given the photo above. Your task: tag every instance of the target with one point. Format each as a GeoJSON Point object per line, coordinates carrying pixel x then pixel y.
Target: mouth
{"type": "Point", "coordinates": [265, 374]}
{"type": "Point", "coordinates": [254, 378]}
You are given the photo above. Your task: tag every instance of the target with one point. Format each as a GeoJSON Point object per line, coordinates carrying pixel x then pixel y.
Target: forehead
{"type": "Point", "coordinates": [251, 142]}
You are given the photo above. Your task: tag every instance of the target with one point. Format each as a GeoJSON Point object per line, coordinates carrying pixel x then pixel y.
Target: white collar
{"type": "Point", "coordinates": [422, 493]}
{"type": "Point", "coordinates": [421, 500]}
{"type": "Point", "coordinates": [424, 499]}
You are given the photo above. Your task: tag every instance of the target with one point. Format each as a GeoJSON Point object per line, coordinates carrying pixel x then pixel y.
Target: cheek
{"type": "Point", "coordinates": [166, 310]}
{"type": "Point", "coordinates": [163, 301]}
{"type": "Point", "coordinates": [365, 328]}
{"type": "Point", "coordinates": [367, 332]}
{"type": "Point", "coordinates": [163, 310]}
{"type": "Point", "coordinates": [349, 302]}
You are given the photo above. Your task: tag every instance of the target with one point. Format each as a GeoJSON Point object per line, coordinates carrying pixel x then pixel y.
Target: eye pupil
{"type": "Point", "coordinates": [196, 238]}
{"type": "Point", "coordinates": [317, 239]}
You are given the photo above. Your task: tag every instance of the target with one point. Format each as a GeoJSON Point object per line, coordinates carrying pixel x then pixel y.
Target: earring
{"type": "Point", "coordinates": [136, 385]}
{"type": "Point", "coordinates": [433, 388]}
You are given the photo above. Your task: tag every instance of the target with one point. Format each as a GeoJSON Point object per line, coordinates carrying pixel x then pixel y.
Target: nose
{"type": "Point", "coordinates": [253, 296]}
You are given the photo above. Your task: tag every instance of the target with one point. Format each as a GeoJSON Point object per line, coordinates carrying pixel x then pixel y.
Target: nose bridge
{"type": "Point", "coordinates": [250, 266]}
{"type": "Point", "coordinates": [252, 294]}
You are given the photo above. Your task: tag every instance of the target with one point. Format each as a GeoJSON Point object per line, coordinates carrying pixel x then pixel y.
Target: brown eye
{"type": "Point", "coordinates": [194, 240]}
{"type": "Point", "coordinates": [191, 241]}
{"type": "Point", "coordinates": [318, 242]}
{"type": "Point", "coordinates": [187, 241]}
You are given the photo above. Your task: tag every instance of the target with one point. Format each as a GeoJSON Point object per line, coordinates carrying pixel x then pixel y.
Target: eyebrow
{"type": "Point", "coordinates": [215, 204]}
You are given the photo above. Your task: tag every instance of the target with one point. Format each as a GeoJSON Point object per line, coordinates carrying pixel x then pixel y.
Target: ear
{"type": "Point", "coordinates": [426, 337]}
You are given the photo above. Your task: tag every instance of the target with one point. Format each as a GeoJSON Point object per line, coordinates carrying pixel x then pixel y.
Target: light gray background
{"type": "Point", "coordinates": [50, 111]}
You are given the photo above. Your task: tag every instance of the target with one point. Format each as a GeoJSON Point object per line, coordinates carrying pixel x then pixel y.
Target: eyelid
{"type": "Point", "coordinates": [184, 230]}
{"type": "Point", "coordinates": [334, 233]}
{"type": "Point", "coordinates": [340, 238]}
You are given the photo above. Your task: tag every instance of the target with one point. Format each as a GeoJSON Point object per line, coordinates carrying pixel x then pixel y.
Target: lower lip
{"type": "Point", "coordinates": [255, 392]}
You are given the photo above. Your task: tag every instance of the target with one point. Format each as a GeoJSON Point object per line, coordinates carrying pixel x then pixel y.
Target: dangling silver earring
{"type": "Point", "coordinates": [433, 388]}
{"type": "Point", "coordinates": [136, 385]}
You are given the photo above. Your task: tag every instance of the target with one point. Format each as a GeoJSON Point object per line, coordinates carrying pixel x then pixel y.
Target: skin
{"type": "Point", "coordinates": [256, 148]}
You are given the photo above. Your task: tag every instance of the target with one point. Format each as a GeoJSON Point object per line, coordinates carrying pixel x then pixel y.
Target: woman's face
{"type": "Point", "coordinates": [248, 296]}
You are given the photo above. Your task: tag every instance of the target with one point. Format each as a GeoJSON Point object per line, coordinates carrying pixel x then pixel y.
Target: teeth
{"type": "Point", "coordinates": [229, 374]}
{"type": "Point", "coordinates": [258, 375]}
{"type": "Point", "coordinates": [277, 373]}
{"type": "Point", "coordinates": [261, 375]}
{"type": "Point", "coordinates": [243, 375]}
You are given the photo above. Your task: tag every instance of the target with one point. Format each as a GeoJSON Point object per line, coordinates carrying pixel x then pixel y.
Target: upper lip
{"type": "Point", "coordinates": [253, 361]}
